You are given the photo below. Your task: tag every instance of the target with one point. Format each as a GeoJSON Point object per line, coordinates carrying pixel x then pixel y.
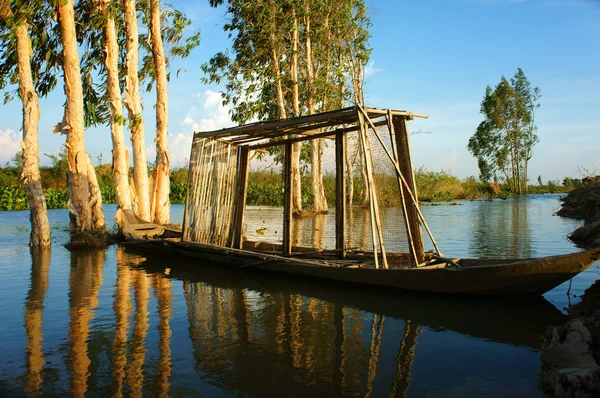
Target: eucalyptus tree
{"type": "Point", "coordinates": [504, 140]}
{"type": "Point", "coordinates": [17, 19]}
{"type": "Point", "coordinates": [80, 169]}
{"type": "Point", "coordinates": [286, 57]}
{"type": "Point", "coordinates": [133, 103]}
{"type": "Point", "coordinates": [101, 40]}
{"type": "Point", "coordinates": [160, 202]}
{"type": "Point", "coordinates": [169, 36]}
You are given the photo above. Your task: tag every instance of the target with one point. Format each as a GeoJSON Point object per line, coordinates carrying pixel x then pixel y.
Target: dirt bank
{"type": "Point", "coordinates": [571, 352]}
{"type": "Point", "coordinates": [584, 204]}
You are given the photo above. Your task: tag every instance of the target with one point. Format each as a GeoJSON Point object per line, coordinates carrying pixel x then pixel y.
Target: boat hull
{"type": "Point", "coordinates": [476, 277]}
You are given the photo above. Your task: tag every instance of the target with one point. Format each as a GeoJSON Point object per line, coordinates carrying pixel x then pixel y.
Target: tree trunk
{"type": "Point", "coordinates": [162, 206]}
{"type": "Point", "coordinates": [319, 203]}
{"type": "Point", "coordinates": [296, 147]}
{"type": "Point", "coordinates": [134, 108]}
{"type": "Point", "coordinates": [120, 163]}
{"type": "Point", "coordinates": [98, 223]}
{"type": "Point", "coordinates": [38, 214]}
{"type": "Point", "coordinates": [77, 158]}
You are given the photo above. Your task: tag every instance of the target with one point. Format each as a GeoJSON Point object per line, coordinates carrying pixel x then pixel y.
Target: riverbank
{"type": "Point", "coordinates": [584, 204]}
{"type": "Point", "coordinates": [571, 352]}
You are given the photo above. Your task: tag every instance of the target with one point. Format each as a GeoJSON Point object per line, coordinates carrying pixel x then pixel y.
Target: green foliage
{"type": "Point", "coordinates": [56, 199]}
{"type": "Point", "coordinates": [177, 193]}
{"type": "Point", "coordinates": [571, 183]}
{"type": "Point", "coordinates": [504, 140]}
{"type": "Point", "coordinates": [262, 53]}
{"type": "Point", "coordinates": [13, 198]}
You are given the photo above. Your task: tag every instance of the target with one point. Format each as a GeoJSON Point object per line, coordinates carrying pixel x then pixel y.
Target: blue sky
{"type": "Point", "coordinates": [432, 57]}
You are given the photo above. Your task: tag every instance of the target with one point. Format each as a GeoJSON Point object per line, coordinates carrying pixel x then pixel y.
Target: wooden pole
{"type": "Point", "coordinates": [415, 202]}
{"type": "Point", "coordinates": [287, 199]}
{"type": "Point", "coordinates": [401, 189]}
{"type": "Point", "coordinates": [340, 195]}
{"type": "Point", "coordinates": [237, 236]}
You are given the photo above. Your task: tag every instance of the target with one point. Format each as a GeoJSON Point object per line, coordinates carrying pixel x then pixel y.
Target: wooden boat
{"type": "Point", "coordinates": [213, 227]}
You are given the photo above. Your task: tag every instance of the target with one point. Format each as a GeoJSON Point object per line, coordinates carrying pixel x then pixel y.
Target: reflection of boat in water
{"type": "Point", "coordinates": [393, 255]}
{"type": "Point", "coordinates": [515, 321]}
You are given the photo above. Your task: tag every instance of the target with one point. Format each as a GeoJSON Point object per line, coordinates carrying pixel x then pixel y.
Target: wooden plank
{"type": "Point", "coordinates": [326, 134]}
{"type": "Point", "coordinates": [237, 236]}
{"type": "Point", "coordinates": [335, 117]}
{"type": "Point", "coordinates": [340, 195]}
{"type": "Point", "coordinates": [287, 199]}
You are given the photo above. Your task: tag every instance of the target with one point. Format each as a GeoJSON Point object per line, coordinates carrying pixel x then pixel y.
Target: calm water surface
{"type": "Point", "coordinates": [113, 323]}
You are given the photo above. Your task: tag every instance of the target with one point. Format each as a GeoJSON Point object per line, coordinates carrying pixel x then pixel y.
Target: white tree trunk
{"type": "Point", "coordinates": [162, 206]}
{"type": "Point", "coordinates": [120, 162]}
{"type": "Point", "coordinates": [296, 147]}
{"type": "Point", "coordinates": [77, 158]}
{"type": "Point", "coordinates": [40, 227]}
{"type": "Point", "coordinates": [134, 108]}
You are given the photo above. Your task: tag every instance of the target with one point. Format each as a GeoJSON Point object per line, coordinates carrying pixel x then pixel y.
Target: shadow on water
{"type": "Point", "coordinates": [249, 333]}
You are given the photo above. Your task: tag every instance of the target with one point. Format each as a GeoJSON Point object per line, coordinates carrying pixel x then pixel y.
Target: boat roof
{"type": "Point", "coordinates": [317, 125]}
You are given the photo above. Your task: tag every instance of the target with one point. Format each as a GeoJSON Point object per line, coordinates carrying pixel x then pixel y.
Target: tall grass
{"type": "Point", "coordinates": [265, 188]}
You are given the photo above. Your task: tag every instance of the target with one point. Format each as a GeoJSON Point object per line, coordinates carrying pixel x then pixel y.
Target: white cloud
{"type": "Point", "coordinates": [371, 70]}
{"type": "Point", "coordinates": [179, 146]}
{"type": "Point", "coordinates": [10, 143]}
{"type": "Point", "coordinates": [208, 113]}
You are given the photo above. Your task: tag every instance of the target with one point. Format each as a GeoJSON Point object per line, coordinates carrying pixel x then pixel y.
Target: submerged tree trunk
{"type": "Point", "coordinates": [134, 108]}
{"type": "Point", "coordinates": [161, 181]}
{"type": "Point", "coordinates": [77, 158]}
{"type": "Point", "coordinates": [40, 227]}
{"type": "Point", "coordinates": [119, 152]}
{"type": "Point", "coordinates": [120, 162]}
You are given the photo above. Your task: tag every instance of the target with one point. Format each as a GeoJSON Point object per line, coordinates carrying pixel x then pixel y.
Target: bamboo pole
{"type": "Point", "coordinates": [369, 184]}
{"type": "Point", "coordinates": [340, 195]}
{"type": "Point", "coordinates": [401, 188]}
{"type": "Point", "coordinates": [287, 199]}
{"type": "Point", "coordinates": [193, 162]}
{"type": "Point", "coordinates": [415, 202]}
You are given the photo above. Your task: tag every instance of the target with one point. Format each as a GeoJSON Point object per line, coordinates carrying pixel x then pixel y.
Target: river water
{"type": "Point", "coordinates": [110, 322]}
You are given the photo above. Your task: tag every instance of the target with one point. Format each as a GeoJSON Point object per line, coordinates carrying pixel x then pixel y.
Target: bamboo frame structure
{"type": "Point", "coordinates": [218, 179]}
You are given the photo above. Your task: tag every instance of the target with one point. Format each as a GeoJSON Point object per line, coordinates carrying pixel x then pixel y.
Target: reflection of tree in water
{"type": "Point", "coordinates": [122, 309]}
{"type": "Point", "coordinates": [501, 229]}
{"type": "Point", "coordinates": [162, 289]}
{"type": "Point", "coordinates": [129, 368]}
{"type": "Point", "coordinates": [34, 306]}
{"type": "Point", "coordinates": [134, 370]}
{"type": "Point", "coordinates": [272, 342]}
{"type": "Point", "coordinates": [85, 281]}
